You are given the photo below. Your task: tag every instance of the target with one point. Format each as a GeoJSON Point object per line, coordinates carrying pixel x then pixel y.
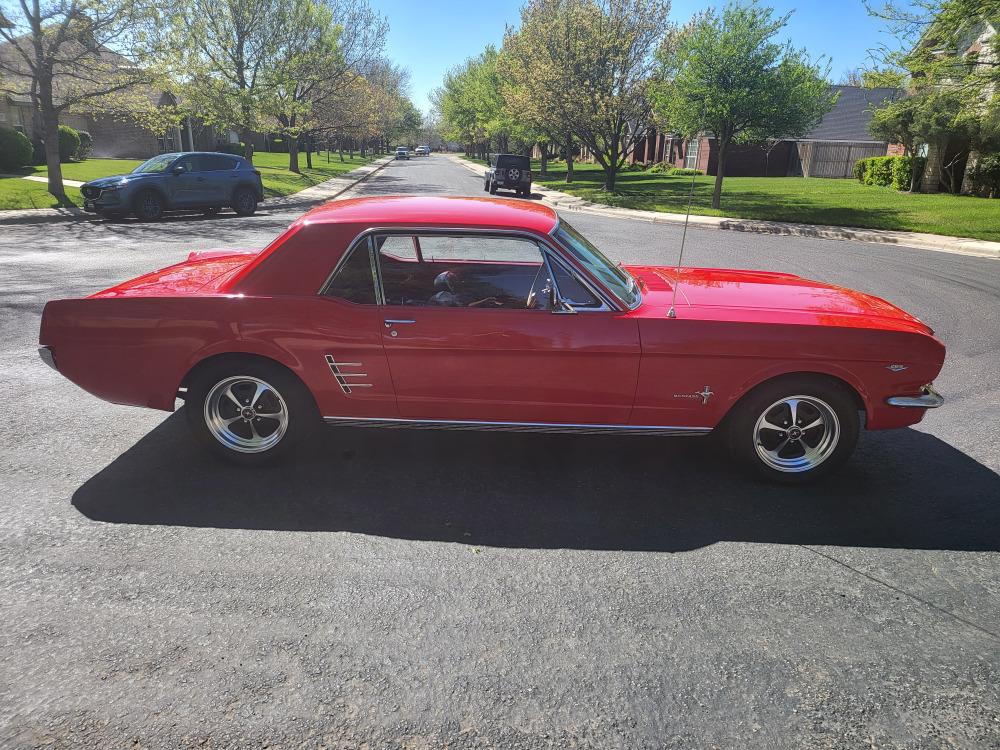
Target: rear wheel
{"type": "Point", "coordinates": [493, 187]}
{"type": "Point", "coordinates": [249, 412]}
{"type": "Point", "coordinates": [244, 202]}
{"type": "Point", "coordinates": [148, 206]}
{"type": "Point", "coordinates": [794, 429]}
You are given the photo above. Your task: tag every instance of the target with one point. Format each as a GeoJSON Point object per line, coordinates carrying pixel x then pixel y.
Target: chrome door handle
{"type": "Point", "coordinates": [389, 322]}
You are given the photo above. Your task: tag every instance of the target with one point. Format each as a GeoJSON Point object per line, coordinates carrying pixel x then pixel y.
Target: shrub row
{"type": "Point", "coordinates": [17, 152]}
{"type": "Point", "coordinates": [888, 171]}
{"type": "Point", "coordinates": [666, 168]}
{"type": "Point", "coordinates": [985, 176]}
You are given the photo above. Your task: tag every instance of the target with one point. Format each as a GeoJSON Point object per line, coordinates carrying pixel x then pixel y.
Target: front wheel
{"type": "Point", "coordinates": [148, 206]}
{"type": "Point", "coordinates": [794, 429]}
{"type": "Point", "coordinates": [249, 412]}
{"type": "Point", "coordinates": [244, 202]}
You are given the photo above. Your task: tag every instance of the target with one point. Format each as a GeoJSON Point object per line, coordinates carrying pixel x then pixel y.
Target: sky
{"type": "Point", "coordinates": [431, 36]}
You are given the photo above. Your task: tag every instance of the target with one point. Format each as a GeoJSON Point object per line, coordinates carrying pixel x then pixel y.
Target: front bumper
{"type": "Point", "coordinates": [48, 356]}
{"type": "Point", "coordinates": [108, 198]}
{"type": "Point", "coordinates": [928, 399]}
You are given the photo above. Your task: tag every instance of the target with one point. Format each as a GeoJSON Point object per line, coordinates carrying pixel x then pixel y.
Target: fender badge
{"type": "Point", "coordinates": [895, 367]}
{"type": "Point", "coordinates": [704, 394]}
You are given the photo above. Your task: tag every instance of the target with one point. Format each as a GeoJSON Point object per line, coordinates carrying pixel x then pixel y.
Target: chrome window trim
{"type": "Point", "coordinates": [546, 243]}
{"type": "Point", "coordinates": [618, 302]}
{"type": "Point", "coordinates": [324, 288]}
{"type": "Point", "coordinates": [542, 427]}
{"type": "Point", "coordinates": [584, 283]}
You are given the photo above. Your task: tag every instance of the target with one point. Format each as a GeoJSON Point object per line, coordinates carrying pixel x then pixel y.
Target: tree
{"type": "Point", "coordinates": [728, 77]}
{"type": "Point", "coordinates": [584, 66]}
{"type": "Point", "coordinates": [70, 55]}
{"type": "Point", "coordinates": [231, 56]}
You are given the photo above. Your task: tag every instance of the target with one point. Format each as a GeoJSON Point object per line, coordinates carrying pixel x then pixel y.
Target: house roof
{"type": "Point", "coordinates": [849, 118]}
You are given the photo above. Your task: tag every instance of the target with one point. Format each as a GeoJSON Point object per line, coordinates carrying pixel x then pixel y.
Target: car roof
{"type": "Point", "coordinates": [436, 211]}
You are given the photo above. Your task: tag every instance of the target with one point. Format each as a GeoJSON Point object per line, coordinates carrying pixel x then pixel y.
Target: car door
{"type": "Point", "coordinates": [469, 335]}
{"type": "Point", "coordinates": [220, 180]}
{"type": "Point", "coordinates": [186, 187]}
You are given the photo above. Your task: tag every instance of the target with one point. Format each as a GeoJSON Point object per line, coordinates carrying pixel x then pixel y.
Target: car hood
{"type": "Point", "coordinates": [781, 297]}
{"type": "Point", "coordinates": [117, 179]}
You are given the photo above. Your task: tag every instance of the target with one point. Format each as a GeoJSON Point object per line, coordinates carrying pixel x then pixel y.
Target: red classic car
{"type": "Point", "coordinates": [468, 313]}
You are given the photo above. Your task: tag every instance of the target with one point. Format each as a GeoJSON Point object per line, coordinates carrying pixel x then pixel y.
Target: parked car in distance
{"type": "Point", "coordinates": [423, 151]}
{"type": "Point", "coordinates": [402, 152]}
{"type": "Point", "coordinates": [177, 182]}
{"type": "Point", "coordinates": [485, 314]}
{"type": "Point", "coordinates": [508, 172]}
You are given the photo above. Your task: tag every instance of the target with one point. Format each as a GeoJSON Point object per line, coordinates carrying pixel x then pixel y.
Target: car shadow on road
{"type": "Point", "coordinates": [904, 489]}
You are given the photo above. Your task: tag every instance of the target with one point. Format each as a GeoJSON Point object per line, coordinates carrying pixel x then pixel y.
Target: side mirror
{"type": "Point", "coordinates": [178, 169]}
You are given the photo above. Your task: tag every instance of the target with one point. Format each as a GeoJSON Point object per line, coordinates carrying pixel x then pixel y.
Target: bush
{"type": "Point", "coordinates": [888, 171]}
{"type": "Point", "coordinates": [236, 149]}
{"type": "Point", "coordinates": [859, 170]}
{"type": "Point", "coordinates": [86, 145]}
{"type": "Point", "coordinates": [985, 176]}
{"type": "Point", "coordinates": [69, 142]}
{"type": "Point", "coordinates": [15, 150]}
{"type": "Point", "coordinates": [683, 171]}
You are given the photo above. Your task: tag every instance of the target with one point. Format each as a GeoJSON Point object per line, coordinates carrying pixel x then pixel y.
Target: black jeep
{"type": "Point", "coordinates": [508, 172]}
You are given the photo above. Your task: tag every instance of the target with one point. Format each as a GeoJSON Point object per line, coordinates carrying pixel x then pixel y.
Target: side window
{"type": "Point", "coordinates": [353, 281]}
{"type": "Point", "coordinates": [436, 270]}
{"type": "Point", "coordinates": [190, 164]}
{"type": "Point", "coordinates": [217, 163]}
{"type": "Point", "coordinates": [571, 289]}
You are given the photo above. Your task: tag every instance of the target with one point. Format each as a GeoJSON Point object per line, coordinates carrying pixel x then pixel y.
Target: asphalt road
{"type": "Point", "coordinates": [422, 590]}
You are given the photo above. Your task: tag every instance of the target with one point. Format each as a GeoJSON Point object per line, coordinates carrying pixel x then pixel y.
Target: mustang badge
{"type": "Point", "coordinates": [704, 394]}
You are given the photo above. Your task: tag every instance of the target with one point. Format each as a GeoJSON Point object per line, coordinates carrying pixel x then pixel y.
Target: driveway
{"type": "Point", "coordinates": [472, 590]}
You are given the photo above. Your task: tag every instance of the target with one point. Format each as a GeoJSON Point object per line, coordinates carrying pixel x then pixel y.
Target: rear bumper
{"type": "Point", "coordinates": [48, 356]}
{"type": "Point", "coordinates": [928, 399]}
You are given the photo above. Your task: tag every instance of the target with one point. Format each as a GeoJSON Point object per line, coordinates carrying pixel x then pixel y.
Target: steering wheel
{"type": "Point", "coordinates": [533, 302]}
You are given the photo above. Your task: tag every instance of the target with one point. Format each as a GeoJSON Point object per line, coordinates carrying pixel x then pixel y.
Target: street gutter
{"type": "Point", "coordinates": [936, 242]}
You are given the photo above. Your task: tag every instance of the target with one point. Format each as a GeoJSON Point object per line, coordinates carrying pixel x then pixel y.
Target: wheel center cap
{"type": "Point", "coordinates": [794, 433]}
{"type": "Point", "coordinates": [248, 412]}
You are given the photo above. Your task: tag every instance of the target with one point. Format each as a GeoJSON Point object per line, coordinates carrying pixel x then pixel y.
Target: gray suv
{"type": "Point", "coordinates": [177, 182]}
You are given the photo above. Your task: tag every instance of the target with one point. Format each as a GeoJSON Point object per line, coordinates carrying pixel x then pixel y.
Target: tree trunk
{"type": "Point", "coordinates": [569, 158]}
{"type": "Point", "coordinates": [246, 135]}
{"type": "Point", "coordinates": [610, 176]}
{"type": "Point", "coordinates": [545, 159]}
{"type": "Point", "coordinates": [293, 154]}
{"type": "Point", "coordinates": [720, 173]}
{"type": "Point", "coordinates": [309, 152]}
{"type": "Point", "coordinates": [50, 122]}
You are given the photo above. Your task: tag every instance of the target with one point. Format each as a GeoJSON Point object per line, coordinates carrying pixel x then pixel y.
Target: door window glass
{"type": "Point", "coordinates": [216, 163]}
{"type": "Point", "coordinates": [571, 289]}
{"type": "Point", "coordinates": [462, 271]}
{"type": "Point", "coordinates": [190, 163]}
{"type": "Point", "coordinates": [353, 281]}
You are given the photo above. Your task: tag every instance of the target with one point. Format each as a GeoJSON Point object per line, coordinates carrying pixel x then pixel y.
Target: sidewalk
{"type": "Point", "coordinates": [939, 243]}
{"type": "Point", "coordinates": [323, 191]}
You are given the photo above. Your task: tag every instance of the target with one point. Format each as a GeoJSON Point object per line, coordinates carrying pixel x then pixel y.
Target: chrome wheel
{"type": "Point", "coordinates": [246, 414]}
{"type": "Point", "coordinates": [796, 434]}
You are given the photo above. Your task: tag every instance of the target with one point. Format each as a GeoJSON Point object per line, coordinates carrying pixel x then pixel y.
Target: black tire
{"type": "Point", "coordinates": [801, 453]}
{"type": "Point", "coordinates": [212, 210]}
{"type": "Point", "coordinates": [250, 440]}
{"type": "Point", "coordinates": [148, 206]}
{"type": "Point", "coordinates": [493, 187]}
{"type": "Point", "coordinates": [486, 185]}
{"type": "Point", "coordinates": [244, 202]}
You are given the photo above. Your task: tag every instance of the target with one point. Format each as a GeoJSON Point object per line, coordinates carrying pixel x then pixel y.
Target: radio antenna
{"type": "Point", "coordinates": [672, 313]}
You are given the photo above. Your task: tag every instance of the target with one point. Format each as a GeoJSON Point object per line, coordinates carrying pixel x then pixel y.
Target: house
{"type": "Point", "coordinates": [950, 160]}
{"type": "Point", "coordinates": [112, 135]}
{"type": "Point", "coordinates": [828, 150]}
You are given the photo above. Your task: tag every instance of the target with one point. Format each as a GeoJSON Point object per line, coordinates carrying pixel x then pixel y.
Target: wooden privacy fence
{"type": "Point", "coordinates": [828, 159]}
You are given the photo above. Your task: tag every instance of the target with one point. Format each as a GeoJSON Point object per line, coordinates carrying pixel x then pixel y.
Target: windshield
{"type": "Point", "coordinates": [156, 164]}
{"type": "Point", "coordinates": [613, 277]}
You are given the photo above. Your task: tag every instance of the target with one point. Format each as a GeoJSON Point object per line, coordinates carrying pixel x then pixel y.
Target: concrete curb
{"type": "Point", "coordinates": [936, 242]}
{"type": "Point", "coordinates": [323, 191]}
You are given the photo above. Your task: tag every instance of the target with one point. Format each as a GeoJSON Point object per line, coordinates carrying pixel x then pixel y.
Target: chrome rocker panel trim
{"type": "Point", "coordinates": [544, 427]}
{"type": "Point", "coordinates": [929, 399]}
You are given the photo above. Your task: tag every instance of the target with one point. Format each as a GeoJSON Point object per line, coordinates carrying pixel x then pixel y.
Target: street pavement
{"type": "Point", "coordinates": [419, 590]}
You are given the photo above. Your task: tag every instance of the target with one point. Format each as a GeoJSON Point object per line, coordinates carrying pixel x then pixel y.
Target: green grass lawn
{"type": "Point", "coordinates": [795, 199]}
{"type": "Point", "coordinates": [16, 193]}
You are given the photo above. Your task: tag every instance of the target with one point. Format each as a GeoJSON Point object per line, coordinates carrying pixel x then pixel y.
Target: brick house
{"type": "Point", "coordinates": [828, 150]}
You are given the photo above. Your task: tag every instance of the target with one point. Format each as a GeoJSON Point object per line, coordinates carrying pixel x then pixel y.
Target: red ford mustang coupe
{"type": "Point", "coordinates": [472, 314]}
